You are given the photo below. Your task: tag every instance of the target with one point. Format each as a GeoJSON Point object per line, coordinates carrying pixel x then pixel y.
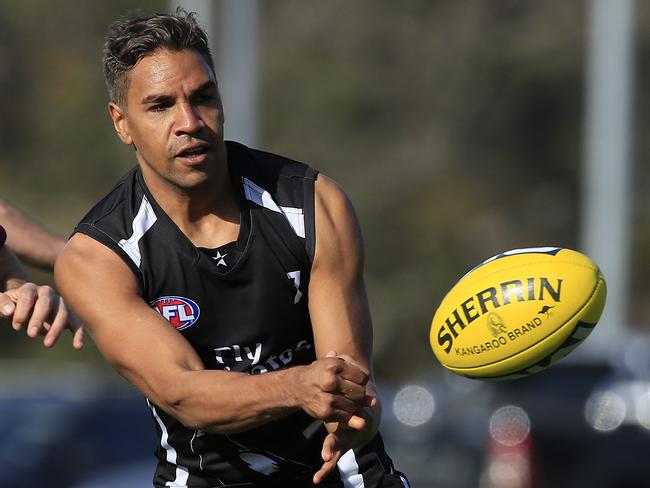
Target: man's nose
{"type": "Point", "coordinates": [188, 120]}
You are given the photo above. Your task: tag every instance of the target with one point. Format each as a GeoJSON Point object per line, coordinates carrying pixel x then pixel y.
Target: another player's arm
{"type": "Point", "coordinates": [142, 346]}
{"type": "Point", "coordinates": [12, 273]}
{"type": "Point", "coordinates": [339, 309]}
{"type": "Point", "coordinates": [28, 239]}
{"type": "Point", "coordinates": [36, 307]}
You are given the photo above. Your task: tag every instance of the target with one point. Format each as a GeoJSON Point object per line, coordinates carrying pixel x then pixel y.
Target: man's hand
{"type": "Point", "coordinates": [333, 390]}
{"type": "Point", "coordinates": [341, 438]}
{"type": "Point", "coordinates": [358, 430]}
{"type": "Point", "coordinates": [42, 311]}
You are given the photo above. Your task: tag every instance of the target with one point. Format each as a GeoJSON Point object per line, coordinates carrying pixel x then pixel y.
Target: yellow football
{"type": "Point", "coordinates": [518, 313]}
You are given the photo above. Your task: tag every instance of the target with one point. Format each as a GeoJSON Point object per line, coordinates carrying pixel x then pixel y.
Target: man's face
{"type": "Point", "coordinates": [174, 118]}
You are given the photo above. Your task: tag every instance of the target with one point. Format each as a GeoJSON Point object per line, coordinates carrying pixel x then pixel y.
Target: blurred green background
{"type": "Point", "coordinates": [455, 126]}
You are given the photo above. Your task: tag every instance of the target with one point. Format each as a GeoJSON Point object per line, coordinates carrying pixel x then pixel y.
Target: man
{"type": "Point", "coordinates": [263, 378]}
{"type": "Point", "coordinates": [38, 308]}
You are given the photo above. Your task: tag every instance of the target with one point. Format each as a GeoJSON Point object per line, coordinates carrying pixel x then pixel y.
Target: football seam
{"type": "Point", "coordinates": [513, 266]}
{"type": "Point", "coordinates": [582, 307]}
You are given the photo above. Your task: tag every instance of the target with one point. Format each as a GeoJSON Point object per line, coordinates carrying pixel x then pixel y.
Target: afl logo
{"type": "Point", "coordinates": [179, 311]}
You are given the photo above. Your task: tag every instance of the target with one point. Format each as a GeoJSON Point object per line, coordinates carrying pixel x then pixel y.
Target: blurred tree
{"type": "Point", "coordinates": [455, 127]}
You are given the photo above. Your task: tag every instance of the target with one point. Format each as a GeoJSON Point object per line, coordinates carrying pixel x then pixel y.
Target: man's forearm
{"type": "Point", "coordinates": [28, 239]}
{"type": "Point", "coordinates": [208, 403]}
{"type": "Point", "coordinates": [12, 273]}
{"type": "Point", "coordinates": [228, 402]}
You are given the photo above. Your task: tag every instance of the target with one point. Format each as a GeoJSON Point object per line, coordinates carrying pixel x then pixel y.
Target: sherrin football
{"type": "Point", "coordinates": [518, 313]}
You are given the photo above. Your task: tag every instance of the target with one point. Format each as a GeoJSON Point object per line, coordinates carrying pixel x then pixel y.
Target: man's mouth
{"type": "Point", "coordinates": [195, 154]}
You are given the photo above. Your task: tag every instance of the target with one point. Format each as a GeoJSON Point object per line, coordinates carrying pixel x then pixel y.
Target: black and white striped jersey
{"type": "Point", "coordinates": [243, 307]}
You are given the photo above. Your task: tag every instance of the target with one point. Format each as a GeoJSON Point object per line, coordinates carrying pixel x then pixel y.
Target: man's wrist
{"type": "Point", "coordinates": [290, 382]}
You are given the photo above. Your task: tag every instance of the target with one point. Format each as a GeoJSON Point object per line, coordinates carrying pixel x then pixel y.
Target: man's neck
{"type": "Point", "coordinates": [208, 214]}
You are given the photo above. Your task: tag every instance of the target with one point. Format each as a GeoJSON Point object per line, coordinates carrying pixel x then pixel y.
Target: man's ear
{"type": "Point", "coordinates": [120, 123]}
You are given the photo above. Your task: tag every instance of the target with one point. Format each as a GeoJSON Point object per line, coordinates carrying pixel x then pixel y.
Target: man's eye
{"type": "Point", "coordinates": [204, 98]}
{"type": "Point", "coordinates": [159, 107]}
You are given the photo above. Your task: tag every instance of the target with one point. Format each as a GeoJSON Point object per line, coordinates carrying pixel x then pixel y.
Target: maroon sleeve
{"type": "Point", "coordinates": [3, 236]}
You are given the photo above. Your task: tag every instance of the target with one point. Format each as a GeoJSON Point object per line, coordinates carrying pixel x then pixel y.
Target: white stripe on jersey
{"type": "Point", "coordinates": [260, 196]}
{"type": "Point", "coordinates": [349, 470]}
{"type": "Point", "coordinates": [182, 474]}
{"type": "Point", "coordinates": [142, 222]}
{"type": "Point", "coordinates": [196, 434]}
{"type": "Point", "coordinates": [405, 482]}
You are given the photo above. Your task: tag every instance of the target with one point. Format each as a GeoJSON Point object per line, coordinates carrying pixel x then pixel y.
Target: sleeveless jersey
{"type": "Point", "coordinates": [243, 307]}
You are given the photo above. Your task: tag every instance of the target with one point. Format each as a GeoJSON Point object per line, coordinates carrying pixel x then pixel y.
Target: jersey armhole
{"type": "Point", "coordinates": [310, 215]}
{"type": "Point", "coordinates": [103, 238]}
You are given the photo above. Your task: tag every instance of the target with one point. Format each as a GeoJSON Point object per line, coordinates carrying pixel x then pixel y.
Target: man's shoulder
{"type": "Point", "coordinates": [118, 205]}
{"type": "Point", "coordinates": [121, 216]}
{"type": "Point", "coordinates": [265, 165]}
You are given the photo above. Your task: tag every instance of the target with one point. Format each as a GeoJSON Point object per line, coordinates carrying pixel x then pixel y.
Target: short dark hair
{"type": "Point", "coordinates": [131, 38]}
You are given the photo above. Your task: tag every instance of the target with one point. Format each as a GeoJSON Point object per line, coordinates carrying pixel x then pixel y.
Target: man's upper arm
{"type": "Point", "coordinates": [338, 302]}
{"type": "Point", "coordinates": [136, 340]}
